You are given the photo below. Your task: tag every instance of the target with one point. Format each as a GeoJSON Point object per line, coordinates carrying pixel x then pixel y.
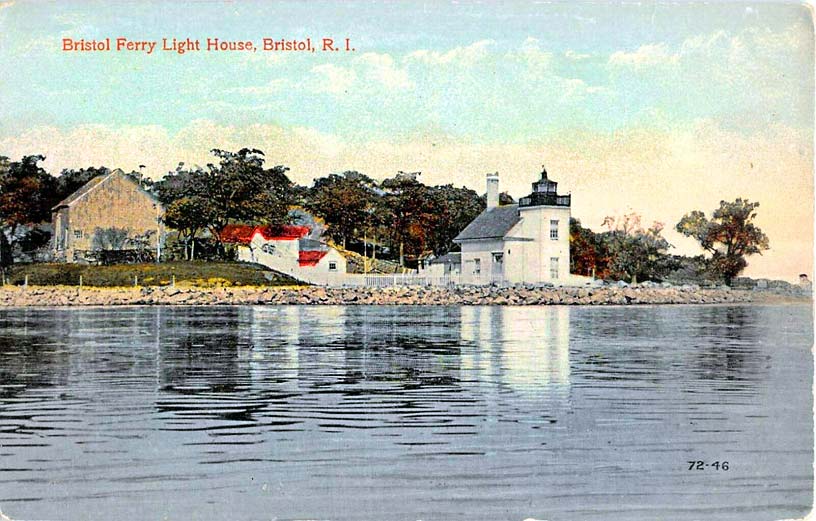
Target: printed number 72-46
{"type": "Point", "coordinates": [702, 465]}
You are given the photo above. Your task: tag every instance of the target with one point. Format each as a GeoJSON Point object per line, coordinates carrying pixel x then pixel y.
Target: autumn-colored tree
{"type": "Point", "coordinates": [589, 253]}
{"type": "Point", "coordinates": [26, 195]}
{"type": "Point", "coordinates": [729, 236]}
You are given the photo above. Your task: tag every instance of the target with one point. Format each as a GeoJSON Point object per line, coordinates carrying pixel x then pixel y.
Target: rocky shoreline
{"type": "Point", "coordinates": [312, 295]}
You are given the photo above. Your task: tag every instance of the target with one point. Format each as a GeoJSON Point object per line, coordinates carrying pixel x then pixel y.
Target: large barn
{"type": "Point", "coordinates": [519, 243]}
{"type": "Point", "coordinates": [113, 201]}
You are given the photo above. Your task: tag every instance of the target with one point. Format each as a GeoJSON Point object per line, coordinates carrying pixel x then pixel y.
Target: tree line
{"type": "Point", "coordinates": [400, 218]}
{"type": "Point", "coordinates": [628, 251]}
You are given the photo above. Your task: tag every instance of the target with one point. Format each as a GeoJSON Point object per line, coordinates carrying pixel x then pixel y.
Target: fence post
{"type": "Point", "coordinates": [135, 281]}
{"type": "Point", "coordinates": [25, 283]}
{"type": "Point", "coordinates": [80, 281]}
{"type": "Point", "coordinates": [174, 281]}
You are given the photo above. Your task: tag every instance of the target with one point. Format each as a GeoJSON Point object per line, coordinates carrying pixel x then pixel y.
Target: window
{"type": "Point", "coordinates": [78, 234]}
{"type": "Point", "coordinates": [477, 266]}
{"type": "Point", "coordinates": [332, 266]}
{"type": "Point", "coordinates": [554, 229]}
{"type": "Point", "coordinates": [268, 248]}
{"type": "Point", "coordinates": [498, 258]}
{"type": "Point", "coordinates": [553, 267]}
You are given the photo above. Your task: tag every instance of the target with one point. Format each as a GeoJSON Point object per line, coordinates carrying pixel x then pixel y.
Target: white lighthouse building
{"type": "Point", "coordinates": [526, 242]}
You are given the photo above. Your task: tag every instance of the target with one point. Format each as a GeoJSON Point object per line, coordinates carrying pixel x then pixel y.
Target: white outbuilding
{"type": "Point", "coordinates": [524, 243]}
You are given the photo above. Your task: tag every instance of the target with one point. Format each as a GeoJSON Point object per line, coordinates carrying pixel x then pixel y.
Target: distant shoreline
{"type": "Point", "coordinates": [72, 296]}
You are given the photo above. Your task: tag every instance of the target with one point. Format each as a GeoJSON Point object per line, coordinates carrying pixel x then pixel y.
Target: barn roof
{"type": "Point", "coordinates": [493, 223]}
{"type": "Point", "coordinates": [243, 233]}
{"type": "Point", "coordinates": [96, 181]}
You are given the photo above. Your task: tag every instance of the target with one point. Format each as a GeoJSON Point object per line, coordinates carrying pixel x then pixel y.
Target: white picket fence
{"type": "Point", "coordinates": [379, 280]}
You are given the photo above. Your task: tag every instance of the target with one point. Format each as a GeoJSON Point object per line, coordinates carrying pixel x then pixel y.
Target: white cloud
{"type": "Point", "coordinates": [332, 78]}
{"type": "Point", "coordinates": [462, 56]}
{"type": "Point", "coordinates": [370, 71]}
{"type": "Point", "coordinates": [575, 56]}
{"type": "Point", "coordinates": [531, 52]}
{"type": "Point", "coordinates": [382, 69]}
{"type": "Point", "coordinates": [646, 56]}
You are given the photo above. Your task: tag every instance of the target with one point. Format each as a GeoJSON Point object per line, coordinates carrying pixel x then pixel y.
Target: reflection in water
{"type": "Point", "coordinates": [405, 412]}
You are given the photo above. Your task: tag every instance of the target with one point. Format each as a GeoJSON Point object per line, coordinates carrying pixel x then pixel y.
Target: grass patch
{"type": "Point", "coordinates": [195, 273]}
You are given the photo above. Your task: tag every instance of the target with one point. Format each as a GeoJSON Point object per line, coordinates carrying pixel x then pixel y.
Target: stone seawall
{"type": "Point", "coordinates": [72, 296]}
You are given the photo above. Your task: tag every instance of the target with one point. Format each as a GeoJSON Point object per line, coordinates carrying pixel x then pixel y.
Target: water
{"type": "Point", "coordinates": [406, 413]}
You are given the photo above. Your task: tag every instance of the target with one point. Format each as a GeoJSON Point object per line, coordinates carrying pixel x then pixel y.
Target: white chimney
{"type": "Point", "coordinates": [492, 190]}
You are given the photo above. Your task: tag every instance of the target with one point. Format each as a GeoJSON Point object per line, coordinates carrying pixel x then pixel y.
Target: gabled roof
{"type": "Point", "coordinates": [449, 258]}
{"type": "Point", "coordinates": [96, 181]}
{"type": "Point", "coordinates": [310, 257]}
{"type": "Point", "coordinates": [82, 190]}
{"type": "Point", "coordinates": [305, 243]}
{"type": "Point", "coordinates": [493, 223]}
{"type": "Point", "coordinates": [243, 233]}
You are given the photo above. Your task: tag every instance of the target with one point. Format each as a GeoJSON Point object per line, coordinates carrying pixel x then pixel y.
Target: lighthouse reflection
{"type": "Point", "coordinates": [524, 349]}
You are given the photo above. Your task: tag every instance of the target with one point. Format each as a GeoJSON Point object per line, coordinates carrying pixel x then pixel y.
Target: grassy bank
{"type": "Point", "coordinates": [199, 274]}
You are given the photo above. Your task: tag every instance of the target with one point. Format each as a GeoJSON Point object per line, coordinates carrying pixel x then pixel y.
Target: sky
{"type": "Point", "coordinates": [654, 108]}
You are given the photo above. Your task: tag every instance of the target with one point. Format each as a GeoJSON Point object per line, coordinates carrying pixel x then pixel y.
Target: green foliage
{"type": "Point", "coordinates": [729, 236]}
{"type": "Point", "coordinates": [188, 215]}
{"type": "Point", "coordinates": [26, 194]}
{"type": "Point", "coordinates": [636, 253]}
{"type": "Point", "coordinates": [406, 208]}
{"type": "Point", "coordinates": [452, 209]}
{"type": "Point", "coordinates": [69, 181]}
{"type": "Point", "coordinates": [345, 202]}
{"type": "Point", "coordinates": [205, 274]}
{"type": "Point", "coordinates": [237, 189]}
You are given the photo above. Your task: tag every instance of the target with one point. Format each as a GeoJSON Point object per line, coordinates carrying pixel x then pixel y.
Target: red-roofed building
{"type": "Point", "coordinates": [243, 233]}
{"type": "Point", "coordinates": [310, 257]}
{"type": "Point", "coordinates": [287, 249]}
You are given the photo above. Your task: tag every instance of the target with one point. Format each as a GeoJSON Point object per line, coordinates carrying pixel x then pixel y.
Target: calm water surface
{"type": "Point", "coordinates": [406, 413]}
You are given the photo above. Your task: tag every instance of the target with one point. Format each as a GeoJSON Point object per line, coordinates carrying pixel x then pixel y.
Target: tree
{"type": "Point", "coordinates": [344, 202]}
{"type": "Point", "coordinates": [26, 195]}
{"type": "Point", "coordinates": [452, 209]}
{"type": "Point", "coordinates": [729, 236]}
{"type": "Point", "coordinates": [238, 189]}
{"type": "Point", "coordinates": [406, 210]}
{"type": "Point", "coordinates": [69, 181]}
{"type": "Point", "coordinates": [636, 253]}
{"type": "Point", "coordinates": [188, 216]}
{"type": "Point", "coordinates": [589, 254]}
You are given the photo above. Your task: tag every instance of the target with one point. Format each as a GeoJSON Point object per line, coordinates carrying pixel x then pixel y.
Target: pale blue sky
{"type": "Point", "coordinates": [506, 93]}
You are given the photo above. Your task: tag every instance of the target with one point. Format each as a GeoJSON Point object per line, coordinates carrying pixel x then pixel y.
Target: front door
{"type": "Point", "coordinates": [497, 274]}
